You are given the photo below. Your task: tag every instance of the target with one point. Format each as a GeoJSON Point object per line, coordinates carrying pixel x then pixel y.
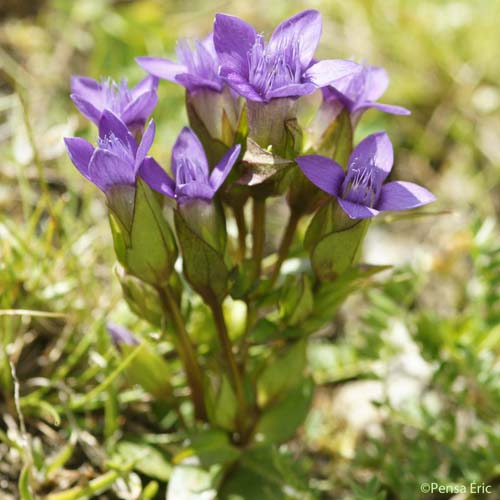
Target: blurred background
{"type": "Point", "coordinates": [408, 373]}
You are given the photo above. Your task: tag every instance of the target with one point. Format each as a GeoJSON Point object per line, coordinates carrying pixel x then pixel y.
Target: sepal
{"type": "Point", "coordinates": [146, 248]}
{"type": "Point", "coordinates": [296, 300]}
{"type": "Point", "coordinates": [202, 240]}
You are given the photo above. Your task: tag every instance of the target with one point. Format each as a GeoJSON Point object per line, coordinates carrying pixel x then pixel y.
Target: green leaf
{"type": "Point", "coordinates": [337, 252]}
{"type": "Point", "coordinates": [264, 331]}
{"type": "Point", "coordinates": [281, 373]}
{"type": "Point", "coordinates": [221, 402]}
{"type": "Point", "coordinates": [210, 447]}
{"type": "Point", "coordinates": [296, 300]}
{"type": "Point", "coordinates": [280, 422]}
{"type": "Point", "coordinates": [242, 279]}
{"type": "Point", "coordinates": [24, 484]}
{"type": "Point", "coordinates": [146, 458]}
{"type": "Point", "coordinates": [149, 370]}
{"type": "Point", "coordinates": [336, 141]}
{"type": "Point", "coordinates": [321, 224]}
{"type": "Point", "coordinates": [204, 267]}
{"type": "Point", "coordinates": [264, 474]}
{"type": "Point", "coordinates": [331, 295]}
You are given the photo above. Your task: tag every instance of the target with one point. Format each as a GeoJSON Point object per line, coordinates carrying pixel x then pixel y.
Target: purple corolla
{"type": "Point", "coordinates": [361, 191]}
{"type": "Point", "coordinates": [117, 159]}
{"type": "Point", "coordinates": [359, 91]}
{"type": "Point", "coordinates": [133, 106]}
{"type": "Point", "coordinates": [197, 67]}
{"type": "Point", "coordinates": [192, 177]}
{"type": "Point", "coordinates": [283, 67]}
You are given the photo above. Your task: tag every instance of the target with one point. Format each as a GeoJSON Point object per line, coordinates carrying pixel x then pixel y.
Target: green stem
{"type": "Point", "coordinates": [186, 351]}
{"type": "Point", "coordinates": [239, 216]}
{"type": "Point", "coordinates": [286, 241]}
{"type": "Point", "coordinates": [227, 349]}
{"type": "Point", "coordinates": [258, 232]}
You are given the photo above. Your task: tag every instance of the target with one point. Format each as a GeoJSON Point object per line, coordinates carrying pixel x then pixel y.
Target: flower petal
{"type": "Point", "coordinates": [189, 146]}
{"type": "Point", "coordinates": [156, 178]}
{"type": "Point", "coordinates": [86, 88]}
{"type": "Point", "coordinates": [110, 124]}
{"type": "Point", "coordinates": [120, 335]}
{"type": "Point", "coordinates": [377, 82]}
{"type": "Point", "coordinates": [107, 170]}
{"type": "Point", "coordinates": [80, 152]}
{"type": "Point", "coordinates": [326, 72]}
{"type": "Point", "coordinates": [222, 169]}
{"type": "Point", "coordinates": [233, 39]}
{"type": "Point", "coordinates": [139, 109]}
{"type": "Point", "coordinates": [145, 145]}
{"type": "Point", "coordinates": [386, 108]}
{"type": "Point", "coordinates": [375, 151]}
{"type": "Point", "coordinates": [355, 211]}
{"type": "Point", "coordinates": [194, 82]}
{"type": "Point", "coordinates": [240, 85]}
{"type": "Point", "coordinates": [292, 90]}
{"type": "Point", "coordinates": [322, 172]}
{"type": "Point", "coordinates": [400, 195]}
{"type": "Point", "coordinates": [305, 29]}
{"type": "Point", "coordinates": [161, 68]}
{"type": "Point", "coordinates": [145, 85]}
{"type": "Point", "coordinates": [86, 108]}
{"type": "Point", "coordinates": [194, 190]}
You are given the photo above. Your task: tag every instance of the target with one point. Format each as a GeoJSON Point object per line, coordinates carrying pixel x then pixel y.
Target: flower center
{"type": "Point", "coordinates": [189, 171]}
{"type": "Point", "coordinates": [113, 144]}
{"type": "Point", "coordinates": [272, 69]}
{"type": "Point", "coordinates": [115, 96]}
{"type": "Point", "coordinates": [361, 186]}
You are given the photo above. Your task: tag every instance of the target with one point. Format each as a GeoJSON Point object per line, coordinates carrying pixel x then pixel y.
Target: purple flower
{"type": "Point", "coordinates": [281, 68]}
{"type": "Point", "coordinates": [117, 158]}
{"type": "Point", "coordinates": [197, 68]}
{"type": "Point", "coordinates": [133, 106]}
{"type": "Point", "coordinates": [192, 177]}
{"type": "Point", "coordinates": [359, 91]}
{"type": "Point", "coordinates": [120, 335]}
{"type": "Point", "coordinates": [361, 191]}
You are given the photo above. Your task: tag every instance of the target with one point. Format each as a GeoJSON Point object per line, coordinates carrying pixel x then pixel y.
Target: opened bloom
{"type": "Point", "coordinates": [117, 159]}
{"type": "Point", "coordinates": [359, 91]}
{"type": "Point", "coordinates": [361, 191]}
{"type": "Point", "coordinates": [192, 179]}
{"type": "Point", "coordinates": [261, 71]}
{"type": "Point", "coordinates": [196, 69]}
{"type": "Point", "coordinates": [132, 105]}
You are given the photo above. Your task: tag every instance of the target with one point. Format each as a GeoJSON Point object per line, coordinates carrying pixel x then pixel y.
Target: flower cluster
{"type": "Point", "coordinates": [245, 143]}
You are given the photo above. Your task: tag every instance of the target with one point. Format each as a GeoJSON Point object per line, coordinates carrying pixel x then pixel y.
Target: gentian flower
{"type": "Point", "coordinates": [359, 91]}
{"type": "Point", "coordinates": [117, 159]}
{"type": "Point", "coordinates": [213, 110]}
{"type": "Point", "coordinates": [281, 68]}
{"type": "Point", "coordinates": [133, 106]}
{"type": "Point", "coordinates": [361, 191]}
{"type": "Point", "coordinates": [197, 68]}
{"type": "Point", "coordinates": [192, 178]}
{"type": "Point", "coordinates": [144, 243]}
